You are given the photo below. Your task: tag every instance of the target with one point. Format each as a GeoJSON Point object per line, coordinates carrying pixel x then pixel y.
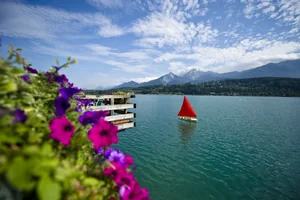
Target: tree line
{"type": "Point", "coordinates": [267, 86]}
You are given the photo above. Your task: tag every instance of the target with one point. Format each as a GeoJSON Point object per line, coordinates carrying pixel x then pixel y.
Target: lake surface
{"type": "Point", "coordinates": [241, 147]}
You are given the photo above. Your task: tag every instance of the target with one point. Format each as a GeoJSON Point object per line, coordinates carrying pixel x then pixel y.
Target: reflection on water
{"type": "Point", "coordinates": [187, 129]}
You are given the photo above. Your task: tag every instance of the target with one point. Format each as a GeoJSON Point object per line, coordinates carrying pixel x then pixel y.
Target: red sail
{"type": "Point", "coordinates": [186, 109]}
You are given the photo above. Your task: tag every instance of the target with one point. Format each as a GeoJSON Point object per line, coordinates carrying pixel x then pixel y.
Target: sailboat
{"type": "Point", "coordinates": [187, 112]}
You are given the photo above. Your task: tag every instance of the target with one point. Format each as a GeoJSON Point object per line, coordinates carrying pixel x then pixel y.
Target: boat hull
{"type": "Point", "coordinates": [189, 119]}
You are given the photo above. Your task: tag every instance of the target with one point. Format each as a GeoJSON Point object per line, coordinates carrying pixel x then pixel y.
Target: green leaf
{"type": "Point", "coordinates": [69, 58]}
{"type": "Point", "coordinates": [57, 62]}
{"type": "Point", "coordinates": [19, 49]}
{"type": "Point", "coordinates": [8, 86]}
{"type": "Point", "coordinates": [47, 150]}
{"type": "Point", "coordinates": [48, 189]}
{"type": "Point", "coordinates": [93, 182]}
{"type": "Point", "coordinates": [19, 174]}
{"type": "Point", "coordinates": [31, 150]}
{"type": "Point", "coordinates": [52, 70]}
{"type": "Point", "coordinates": [17, 71]}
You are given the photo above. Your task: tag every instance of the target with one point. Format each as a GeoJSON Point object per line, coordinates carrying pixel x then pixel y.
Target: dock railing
{"type": "Point", "coordinates": [117, 105]}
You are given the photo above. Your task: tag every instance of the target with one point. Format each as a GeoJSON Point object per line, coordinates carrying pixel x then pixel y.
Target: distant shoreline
{"type": "Point", "coordinates": [265, 86]}
{"type": "Point", "coordinates": [213, 95]}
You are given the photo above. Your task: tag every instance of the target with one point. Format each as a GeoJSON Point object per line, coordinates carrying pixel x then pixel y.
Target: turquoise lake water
{"type": "Point", "coordinates": [241, 147]}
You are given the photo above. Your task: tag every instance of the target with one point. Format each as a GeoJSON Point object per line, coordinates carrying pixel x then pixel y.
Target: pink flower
{"type": "Point", "coordinates": [128, 161]}
{"type": "Point", "coordinates": [103, 134]}
{"type": "Point", "coordinates": [135, 193]}
{"type": "Point", "coordinates": [61, 130]}
{"type": "Point", "coordinates": [116, 171]}
{"type": "Point", "coordinates": [125, 179]}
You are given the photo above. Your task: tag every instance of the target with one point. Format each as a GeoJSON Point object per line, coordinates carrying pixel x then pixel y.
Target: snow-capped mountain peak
{"type": "Point", "coordinates": [168, 77]}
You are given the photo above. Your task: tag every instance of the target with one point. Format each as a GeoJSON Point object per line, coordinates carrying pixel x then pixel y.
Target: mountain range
{"type": "Point", "coordinates": [290, 68]}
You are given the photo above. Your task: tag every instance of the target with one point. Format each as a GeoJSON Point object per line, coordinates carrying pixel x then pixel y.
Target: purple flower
{"type": "Point", "coordinates": [19, 116]}
{"type": "Point", "coordinates": [92, 117]}
{"type": "Point", "coordinates": [69, 92]}
{"type": "Point", "coordinates": [108, 152]}
{"type": "Point", "coordinates": [31, 70]}
{"type": "Point", "coordinates": [26, 78]}
{"type": "Point", "coordinates": [61, 104]}
{"type": "Point", "coordinates": [70, 84]}
{"type": "Point", "coordinates": [62, 130]}
{"type": "Point", "coordinates": [62, 79]}
{"type": "Point", "coordinates": [87, 102]}
{"type": "Point", "coordinates": [78, 108]}
{"type": "Point", "coordinates": [115, 156]}
{"type": "Point", "coordinates": [100, 151]}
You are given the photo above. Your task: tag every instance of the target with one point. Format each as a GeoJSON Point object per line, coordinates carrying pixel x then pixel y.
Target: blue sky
{"type": "Point", "coordinates": [121, 40]}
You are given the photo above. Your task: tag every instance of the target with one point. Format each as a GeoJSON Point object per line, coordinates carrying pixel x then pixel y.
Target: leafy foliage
{"type": "Point", "coordinates": [32, 164]}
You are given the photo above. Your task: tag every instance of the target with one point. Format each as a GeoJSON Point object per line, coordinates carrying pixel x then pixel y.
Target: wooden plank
{"type": "Point", "coordinates": [123, 121]}
{"type": "Point", "coordinates": [126, 125]}
{"type": "Point", "coordinates": [112, 107]}
{"type": "Point", "coordinates": [119, 117]}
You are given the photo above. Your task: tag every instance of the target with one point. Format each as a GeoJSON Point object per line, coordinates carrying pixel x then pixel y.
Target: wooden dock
{"type": "Point", "coordinates": [118, 106]}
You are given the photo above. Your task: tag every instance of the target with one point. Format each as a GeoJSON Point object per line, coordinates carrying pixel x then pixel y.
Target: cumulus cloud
{"type": "Point", "coordinates": [161, 30]}
{"type": "Point", "coordinates": [251, 52]}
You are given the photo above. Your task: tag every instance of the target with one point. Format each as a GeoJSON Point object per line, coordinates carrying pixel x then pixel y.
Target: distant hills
{"type": "Point", "coordinates": [264, 86]}
{"type": "Point", "coordinates": [290, 68]}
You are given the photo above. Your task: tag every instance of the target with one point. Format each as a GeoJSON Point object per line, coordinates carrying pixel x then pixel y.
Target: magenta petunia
{"type": "Point", "coordinates": [125, 179]}
{"type": "Point", "coordinates": [116, 171]}
{"type": "Point", "coordinates": [103, 134]}
{"type": "Point", "coordinates": [135, 193]}
{"type": "Point", "coordinates": [62, 130]}
{"type": "Point", "coordinates": [128, 160]}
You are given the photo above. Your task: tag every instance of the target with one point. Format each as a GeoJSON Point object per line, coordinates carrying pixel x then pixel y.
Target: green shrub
{"type": "Point", "coordinates": [48, 148]}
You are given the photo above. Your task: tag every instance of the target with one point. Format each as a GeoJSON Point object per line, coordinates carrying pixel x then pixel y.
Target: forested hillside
{"type": "Point", "coordinates": [240, 87]}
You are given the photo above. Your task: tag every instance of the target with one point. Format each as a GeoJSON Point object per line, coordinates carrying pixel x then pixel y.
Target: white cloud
{"type": "Point", "coordinates": [99, 49]}
{"type": "Point", "coordinates": [110, 30]}
{"type": "Point", "coordinates": [294, 30]}
{"type": "Point", "coordinates": [263, 4]}
{"type": "Point", "coordinates": [249, 11]}
{"type": "Point", "coordinates": [161, 30]}
{"type": "Point", "coordinates": [269, 9]}
{"type": "Point", "coordinates": [252, 52]}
